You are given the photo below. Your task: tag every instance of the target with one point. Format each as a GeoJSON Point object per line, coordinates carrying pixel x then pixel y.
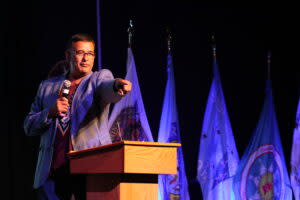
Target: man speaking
{"type": "Point", "coordinates": [71, 117]}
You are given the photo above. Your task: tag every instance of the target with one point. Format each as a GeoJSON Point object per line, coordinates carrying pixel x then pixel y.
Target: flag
{"type": "Point", "coordinates": [262, 172]}
{"type": "Point", "coordinates": [218, 157]}
{"type": "Point", "coordinates": [128, 120]}
{"type": "Point", "coordinates": [295, 157]}
{"type": "Point", "coordinates": [173, 186]}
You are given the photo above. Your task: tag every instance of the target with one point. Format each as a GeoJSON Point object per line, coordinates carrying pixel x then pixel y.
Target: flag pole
{"type": "Point", "coordinates": [130, 31]}
{"type": "Point", "coordinates": [269, 64]}
{"type": "Point", "coordinates": [98, 35]}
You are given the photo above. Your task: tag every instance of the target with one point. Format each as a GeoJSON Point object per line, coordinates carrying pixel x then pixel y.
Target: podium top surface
{"type": "Point", "coordinates": [123, 143]}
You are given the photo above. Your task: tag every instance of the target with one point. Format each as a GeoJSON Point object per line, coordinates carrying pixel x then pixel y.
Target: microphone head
{"type": "Point", "coordinates": [67, 84]}
{"type": "Point", "coordinates": [65, 88]}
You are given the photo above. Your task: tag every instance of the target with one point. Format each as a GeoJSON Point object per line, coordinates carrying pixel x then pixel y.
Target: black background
{"type": "Point", "coordinates": [34, 35]}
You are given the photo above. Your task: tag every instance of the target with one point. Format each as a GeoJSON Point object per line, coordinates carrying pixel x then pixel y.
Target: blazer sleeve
{"type": "Point", "coordinates": [105, 90]}
{"type": "Point", "coordinates": [37, 121]}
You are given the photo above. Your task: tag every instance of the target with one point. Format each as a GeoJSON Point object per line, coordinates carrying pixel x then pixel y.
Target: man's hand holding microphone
{"type": "Point", "coordinates": [61, 105]}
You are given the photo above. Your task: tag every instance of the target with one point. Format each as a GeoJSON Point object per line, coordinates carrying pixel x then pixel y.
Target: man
{"type": "Point", "coordinates": [73, 123]}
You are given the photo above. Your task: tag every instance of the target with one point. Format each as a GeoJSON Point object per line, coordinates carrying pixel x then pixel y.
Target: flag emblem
{"type": "Point", "coordinates": [127, 125]}
{"type": "Point", "coordinates": [263, 175]}
{"type": "Point", "coordinates": [266, 187]}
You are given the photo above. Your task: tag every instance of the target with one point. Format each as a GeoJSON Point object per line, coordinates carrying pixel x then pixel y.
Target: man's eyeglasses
{"type": "Point", "coordinates": [82, 53]}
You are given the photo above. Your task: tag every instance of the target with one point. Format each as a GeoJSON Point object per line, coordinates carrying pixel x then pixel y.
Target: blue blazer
{"type": "Point", "coordinates": [90, 108]}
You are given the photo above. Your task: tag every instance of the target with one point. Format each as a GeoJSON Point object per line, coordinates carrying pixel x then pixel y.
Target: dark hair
{"type": "Point", "coordinates": [80, 37]}
{"type": "Point", "coordinates": [60, 68]}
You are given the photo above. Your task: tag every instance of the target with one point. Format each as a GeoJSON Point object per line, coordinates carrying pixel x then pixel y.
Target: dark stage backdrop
{"type": "Point", "coordinates": [34, 38]}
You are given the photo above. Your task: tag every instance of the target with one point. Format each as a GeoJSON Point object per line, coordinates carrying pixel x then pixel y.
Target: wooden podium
{"type": "Point", "coordinates": [126, 170]}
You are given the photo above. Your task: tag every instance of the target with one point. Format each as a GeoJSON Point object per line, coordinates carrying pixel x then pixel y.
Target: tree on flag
{"type": "Point", "coordinates": [218, 157]}
{"type": "Point", "coordinates": [295, 157]}
{"type": "Point", "coordinates": [262, 172]}
{"type": "Point", "coordinates": [128, 120]}
{"type": "Point", "coordinates": [172, 186]}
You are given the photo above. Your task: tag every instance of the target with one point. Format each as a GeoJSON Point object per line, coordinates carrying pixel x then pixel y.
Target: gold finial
{"type": "Point", "coordinates": [214, 48]}
{"type": "Point", "coordinates": [130, 31]}
{"type": "Point", "coordinates": [269, 64]}
{"type": "Point", "coordinates": [169, 40]}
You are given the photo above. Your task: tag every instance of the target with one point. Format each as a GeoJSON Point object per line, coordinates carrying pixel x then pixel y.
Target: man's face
{"type": "Point", "coordinates": [82, 56]}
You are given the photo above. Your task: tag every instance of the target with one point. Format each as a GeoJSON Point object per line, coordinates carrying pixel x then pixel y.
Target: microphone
{"type": "Point", "coordinates": [64, 92]}
{"type": "Point", "coordinates": [65, 88]}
